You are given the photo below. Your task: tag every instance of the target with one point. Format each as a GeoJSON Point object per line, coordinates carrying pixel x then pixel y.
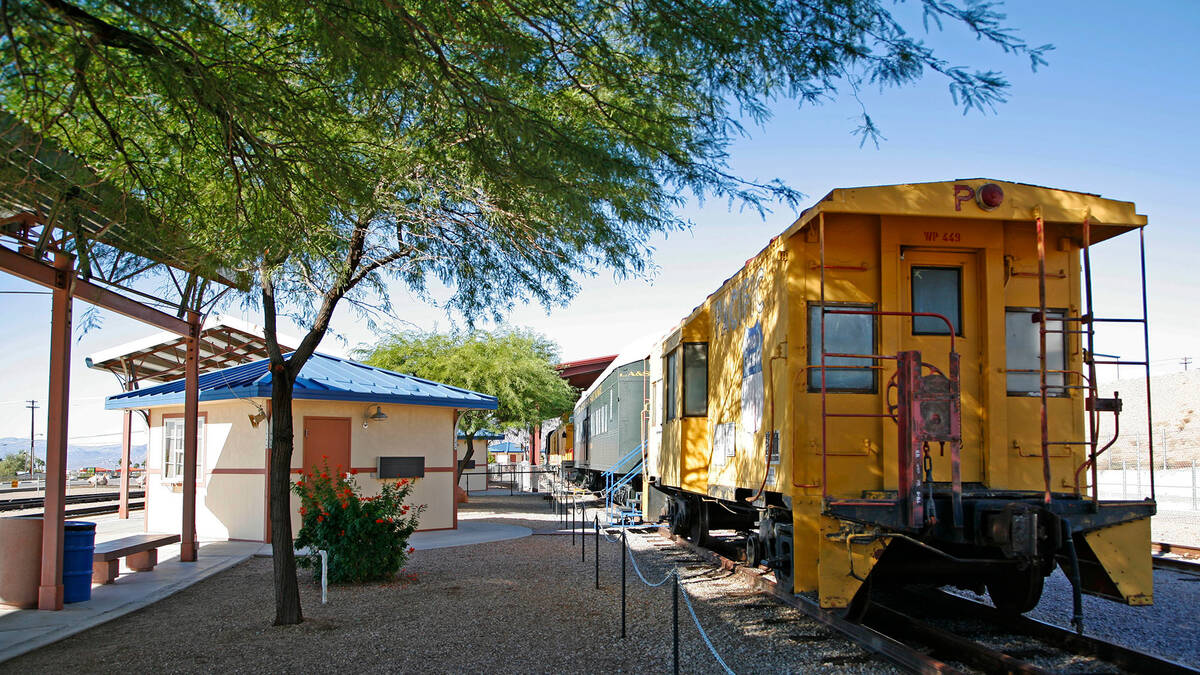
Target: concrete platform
{"type": "Point", "coordinates": [23, 630]}
{"type": "Point", "coordinates": [469, 532]}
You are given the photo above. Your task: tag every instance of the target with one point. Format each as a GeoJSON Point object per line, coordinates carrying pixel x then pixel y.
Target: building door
{"type": "Point", "coordinates": [946, 283]}
{"type": "Point", "coordinates": [326, 441]}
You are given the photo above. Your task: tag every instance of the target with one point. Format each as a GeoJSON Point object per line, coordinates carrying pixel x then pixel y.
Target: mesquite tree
{"type": "Point", "coordinates": [514, 365]}
{"type": "Point", "coordinates": [329, 149]}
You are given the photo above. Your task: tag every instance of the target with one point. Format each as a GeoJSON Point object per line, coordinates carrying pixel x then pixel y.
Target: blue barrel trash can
{"type": "Point", "coordinates": [79, 543]}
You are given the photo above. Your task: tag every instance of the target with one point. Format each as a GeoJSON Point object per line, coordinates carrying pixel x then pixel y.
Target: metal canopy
{"type": "Point", "coordinates": [581, 374]}
{"type": "Point", "coordinates": [65, 228]}
{"type": "Point", "coordinates": [44, 188]}
{"type": "Point", "coordinates": [224, 341]}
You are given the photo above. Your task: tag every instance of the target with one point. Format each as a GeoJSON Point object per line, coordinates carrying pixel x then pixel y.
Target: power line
{"type": "Point", "coordinates": [33, 406]}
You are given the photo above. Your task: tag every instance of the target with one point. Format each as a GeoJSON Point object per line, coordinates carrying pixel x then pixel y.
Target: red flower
{"type": "Point", "coordinates": [300, 484]}
{"type": "Point", "coordinates": [354, 471]}
{"type": "Point", "coordinates": [345, 505]}
{"type": "Point", "coordinates": [379, 520]}
{"type": "Point", "coordinates": [411, 549]}
{"type": "Point", "coordinates": [303, 511]}
{"type": "Point", "coordinates": [342, 533]}
{"type": "Point", "coordinates": [320, 519]}
{"type": "Point", "coordinates": [324, 475]}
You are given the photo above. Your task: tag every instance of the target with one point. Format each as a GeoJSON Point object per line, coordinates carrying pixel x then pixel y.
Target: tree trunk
{"type": "Point", "coordinates": [287, 589]}
{"type": "Point", "coordinates": [462, 463]}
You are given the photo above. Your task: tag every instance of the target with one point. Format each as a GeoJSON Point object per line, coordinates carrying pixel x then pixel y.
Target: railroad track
{"type": "Point", "coordinates": [26, 503]}
{"type": "Point", "coordinates": [103, 508]}
{"type": "Point", "coordinates": [943, 633]}
{"type": "Point", "coordinates": [1176, 556]}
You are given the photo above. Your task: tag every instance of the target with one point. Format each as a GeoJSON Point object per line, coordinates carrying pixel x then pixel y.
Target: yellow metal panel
{"type": "Point", "coordinates": [696, 448]}
{"type": "Point", "coordinates": [948, 200]}
{"type": "Point", "coordinates": [1124, 553]}
{"type": "Point", "coordinates": [806, 549]}
{"type": "Point", "coordinates": [846, 558]}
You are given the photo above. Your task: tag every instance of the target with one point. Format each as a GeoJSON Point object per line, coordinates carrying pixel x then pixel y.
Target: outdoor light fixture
{"type": "Point", "coordinates": [377, 416]}
{"type": "Point", "coordinates": [255, 419]}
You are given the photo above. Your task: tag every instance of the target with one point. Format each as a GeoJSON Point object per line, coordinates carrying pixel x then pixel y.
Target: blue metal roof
{"type": "Point", "coordinates": [324, 377]}
{"type": "Point", "coordinates": [484, 435]}
{"type": "Point", "coordinates": [505, 448]}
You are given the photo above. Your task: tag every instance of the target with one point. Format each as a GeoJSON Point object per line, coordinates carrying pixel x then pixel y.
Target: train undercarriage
{"type": "Point", "coordinates": [1007, 544]}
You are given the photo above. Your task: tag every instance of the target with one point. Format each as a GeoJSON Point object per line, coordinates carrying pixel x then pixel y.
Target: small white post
{"type": "Point", "coordinates": [324, 573]}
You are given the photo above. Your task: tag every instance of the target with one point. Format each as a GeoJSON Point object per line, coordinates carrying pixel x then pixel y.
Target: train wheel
{"type": "Point", "coordinates": [782, 560]}
{"type": "Point", "coordinates": [677, 516]}
{"type": "Point", "coordinates": [754, 551]}
{"type": "Point", "coordinates": [1016, 593]}
{"type": "Point", "coordinates": [698, 532]}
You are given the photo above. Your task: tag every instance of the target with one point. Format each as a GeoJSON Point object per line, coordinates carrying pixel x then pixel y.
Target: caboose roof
{"type": "Point", "coordinates": [1022, 202]}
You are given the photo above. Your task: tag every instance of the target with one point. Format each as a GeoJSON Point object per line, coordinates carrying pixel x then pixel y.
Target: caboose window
{"type": "Point", "coordinates": [1021, 344]}
{"type": "Point", "coordinates": [671, 390]}
{"type": "Point", "coordinates": [937, 290]}
{"type": "Point", "coordinates": [695, 379]}
{"type": "Point", "coordinates": [844, 334]}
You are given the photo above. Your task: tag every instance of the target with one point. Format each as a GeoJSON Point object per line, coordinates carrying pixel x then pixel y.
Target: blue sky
{"type": "Point", "coordinates": [1113, 114]}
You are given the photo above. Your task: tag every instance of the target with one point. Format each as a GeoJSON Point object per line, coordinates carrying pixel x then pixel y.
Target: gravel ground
{"type": "Point", "coordinates": [1169, 628]}
{"type": "Point", "coordinates": [524, 605]}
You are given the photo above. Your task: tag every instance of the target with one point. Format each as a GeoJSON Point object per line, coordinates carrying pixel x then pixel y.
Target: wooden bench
{"type": "Point", "coordinates": [140, 552]}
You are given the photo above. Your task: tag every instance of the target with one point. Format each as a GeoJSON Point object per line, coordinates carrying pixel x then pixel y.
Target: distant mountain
{"type": "Point", "coordinates": [78, 456]}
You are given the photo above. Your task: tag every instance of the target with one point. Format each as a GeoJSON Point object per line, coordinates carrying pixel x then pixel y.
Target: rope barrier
{"type": "Point", "coordinates": [687, 600]}
{"type": "Point", "coordinates": [674, 573]}
{"type": "Point", "coordinates": [643, 577]}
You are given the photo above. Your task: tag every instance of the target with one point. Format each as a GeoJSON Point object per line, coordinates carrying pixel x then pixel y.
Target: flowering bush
{"type": "Point", "coordinates": [366, 537]}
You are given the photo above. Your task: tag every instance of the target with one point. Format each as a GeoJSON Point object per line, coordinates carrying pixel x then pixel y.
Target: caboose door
{"type": "Point", "coordinates": [946, 283]}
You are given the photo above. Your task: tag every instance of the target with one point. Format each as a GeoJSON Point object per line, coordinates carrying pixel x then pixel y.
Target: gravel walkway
{"type": "Point", "coordinates": [526, 605]}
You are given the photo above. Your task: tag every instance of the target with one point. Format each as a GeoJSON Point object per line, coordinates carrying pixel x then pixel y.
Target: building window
{"type": "Point", "coordinates": [695, 379]}
{"type": "Point", "coordinates": [671, 390]}
{"type": "Point", "coordinates": [844, 334]}
{"type": "Point", "coordinates": [1021, 344]}
{"type": "Point", "coordinates": [173, 448]}
{"type": "Point", "coordinates": [937, 290]}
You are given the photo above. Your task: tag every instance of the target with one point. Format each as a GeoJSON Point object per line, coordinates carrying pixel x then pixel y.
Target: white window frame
{"type": "Point", "coordinates": [172, 448]}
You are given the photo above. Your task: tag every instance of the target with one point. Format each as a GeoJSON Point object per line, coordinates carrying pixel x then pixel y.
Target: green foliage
{"type": "Point", "coordinates": [499, 149]}
{"type": "Point", "coordinates": [514, 365]}
{"type": "Point", "coordinates": [365, 537]}
{"type": "Point", "coordinates": [18, 462]}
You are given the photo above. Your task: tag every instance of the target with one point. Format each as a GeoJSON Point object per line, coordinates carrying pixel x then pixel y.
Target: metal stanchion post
{"type": "Point", "coordinates": [675, 623]}
{"type": "Point", "coordinates": [582, 537]}
{"type": "Point", "coordinates": [572, 509]}
{"type": "Point", "coordinates": [624, 554]}
{"type": "Point", "coordinates": [596, 549]}
{"type": "Point", "coordinates": [512, 480]}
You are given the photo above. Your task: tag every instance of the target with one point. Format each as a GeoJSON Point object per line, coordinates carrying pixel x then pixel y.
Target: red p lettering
{"type": "Point", "coordinates": [962, 193]}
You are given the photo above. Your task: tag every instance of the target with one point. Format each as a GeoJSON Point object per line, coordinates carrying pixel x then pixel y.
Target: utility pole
{"type": "Point", "coordinates": [1185, 361]}
{"type": "Point", "coordinates": [33, 406]}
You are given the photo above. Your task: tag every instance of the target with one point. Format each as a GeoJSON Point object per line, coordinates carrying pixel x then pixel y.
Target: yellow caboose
{"type": "Point", "coordinates": [560, 443]}
{"type": "Point", "coordinates": [899, 388]}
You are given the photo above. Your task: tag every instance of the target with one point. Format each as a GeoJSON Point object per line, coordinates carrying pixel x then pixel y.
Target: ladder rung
{"type": "Point", "coordinates": [1103, 320]}
{"type": "Point", "coordinates": [1119, 363]}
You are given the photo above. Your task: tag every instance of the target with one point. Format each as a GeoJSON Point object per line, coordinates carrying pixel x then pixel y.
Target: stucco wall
{"type": "Point", "coordinates": [231, 492]}
{"type": "Point", "coordinates": [409, 431]}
